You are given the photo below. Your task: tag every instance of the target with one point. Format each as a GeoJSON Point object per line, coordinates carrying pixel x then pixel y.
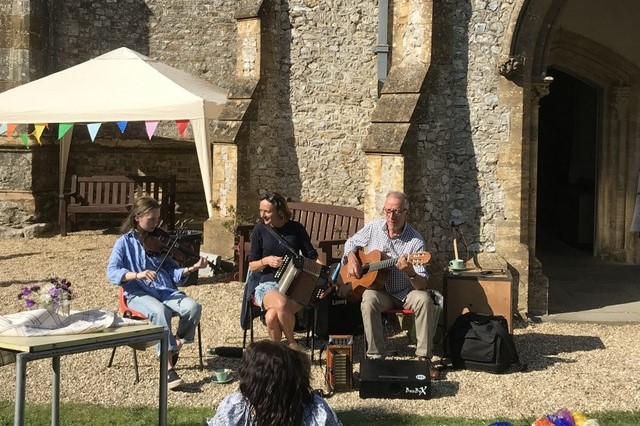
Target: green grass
{"type": "Point", "coordinates": [72, 414]}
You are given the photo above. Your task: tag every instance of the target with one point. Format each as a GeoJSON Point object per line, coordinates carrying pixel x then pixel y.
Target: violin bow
{"type": "Point", "coordinates": [179, 232]}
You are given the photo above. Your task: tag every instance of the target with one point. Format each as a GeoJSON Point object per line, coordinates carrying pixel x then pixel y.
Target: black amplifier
{"type": "Point", "coordinates": [394, 379]}
{"type": "Point", "coordinates": [338, 316]}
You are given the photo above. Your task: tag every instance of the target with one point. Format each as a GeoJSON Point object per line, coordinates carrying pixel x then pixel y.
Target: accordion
{"type": "Point", "coordinates": [302, 279]}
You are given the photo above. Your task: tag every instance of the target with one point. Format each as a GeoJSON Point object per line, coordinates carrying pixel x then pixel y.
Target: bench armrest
{"type": "Point", "coordinates": [67, 195]}
{"type": "Point", "coordinates": [326, 249]}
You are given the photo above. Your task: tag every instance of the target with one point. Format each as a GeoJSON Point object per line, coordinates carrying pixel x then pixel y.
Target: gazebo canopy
{"type": "Point", "coordinates": [121, 85]}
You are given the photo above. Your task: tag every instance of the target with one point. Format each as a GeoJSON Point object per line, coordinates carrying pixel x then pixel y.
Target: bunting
{"type": "Point", "coordinates": [39, 128]}
{"type": "Point", "coordinates": [93, 130]}
{"type": "Point", "coordinates": [182, 126]}
{"type": "Point", "coordinates": [63, 128]}
{"type": "Point", "coordinates": [122, 125]}
{"type": "Point", "coordinates": [151, 127]}
{"type": "Point", "coordinates": [25, 140]}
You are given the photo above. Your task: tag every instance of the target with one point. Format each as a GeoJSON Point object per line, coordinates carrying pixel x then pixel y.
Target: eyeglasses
{"type": "Point", "coordinates": [390, 212]}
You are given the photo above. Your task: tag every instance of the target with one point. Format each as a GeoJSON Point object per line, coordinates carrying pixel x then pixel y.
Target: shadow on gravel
{"type": "Point", "coordinates": [17, 255]}
{"type": "Point", "coordinates": [15, 282]}
{"type": "Point", "coordinates": [540, 351]}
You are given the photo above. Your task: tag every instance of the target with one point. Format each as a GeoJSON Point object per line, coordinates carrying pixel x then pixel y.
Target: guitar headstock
{"type": "Point", "coordinates": [420, 258]}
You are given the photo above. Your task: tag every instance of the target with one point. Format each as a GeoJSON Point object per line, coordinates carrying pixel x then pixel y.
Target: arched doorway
{"type": "Point", "coordinates": [585, 196]}
{"type": "Point", "coordinates": [567, 158]}
{"type": "Point", "coordinates": [567, 188]}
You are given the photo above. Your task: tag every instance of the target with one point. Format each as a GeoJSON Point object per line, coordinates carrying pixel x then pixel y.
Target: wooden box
{"type": "Point", "coordinates": [473, 291]}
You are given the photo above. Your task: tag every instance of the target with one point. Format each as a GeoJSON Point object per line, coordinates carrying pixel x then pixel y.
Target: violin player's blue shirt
{"type": "Point", "coordinates": [128, 255]}
{"type": "Point", "coordinates": [158, 300]}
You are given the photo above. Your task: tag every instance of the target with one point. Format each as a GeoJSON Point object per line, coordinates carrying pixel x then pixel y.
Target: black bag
{"type": "Point", "coordinates": [482, 343]}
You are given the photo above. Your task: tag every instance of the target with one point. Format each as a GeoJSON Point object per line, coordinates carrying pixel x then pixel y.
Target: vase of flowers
{"type": "Point", "coordinates": [48, 295]}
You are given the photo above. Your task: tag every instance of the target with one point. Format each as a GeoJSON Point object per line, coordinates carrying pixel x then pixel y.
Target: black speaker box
{"type": "Point", "coordinates": [394, 379]}
{"type": "Point", "coordinates": [338, 316]}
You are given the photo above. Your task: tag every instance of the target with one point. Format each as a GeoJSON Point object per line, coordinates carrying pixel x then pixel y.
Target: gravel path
{"type": "Point", "coordinates": [582, 367]}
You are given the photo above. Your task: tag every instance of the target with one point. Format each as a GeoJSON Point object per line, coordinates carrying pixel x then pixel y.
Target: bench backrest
{"type": "Point", "coordinates": [121, 190]}
{"type": "Point", "coordinates": [326, 222]}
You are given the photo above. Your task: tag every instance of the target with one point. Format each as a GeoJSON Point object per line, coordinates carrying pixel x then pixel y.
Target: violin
{"type": "Point", "coordinates": [161, 243]}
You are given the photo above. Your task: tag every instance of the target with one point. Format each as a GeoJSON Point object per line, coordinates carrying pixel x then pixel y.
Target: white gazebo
{"type": "Point", "coordinates": [121, 85]}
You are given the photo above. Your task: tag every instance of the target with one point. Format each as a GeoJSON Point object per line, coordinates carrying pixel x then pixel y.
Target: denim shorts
{"type": "Point", "coordinates": [262, 290]}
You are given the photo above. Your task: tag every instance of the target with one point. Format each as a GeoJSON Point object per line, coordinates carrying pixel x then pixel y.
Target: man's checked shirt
{"type": "Point", "coordinates": [374, 236]}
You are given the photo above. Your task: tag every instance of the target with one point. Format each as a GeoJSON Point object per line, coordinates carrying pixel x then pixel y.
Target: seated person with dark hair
{"type": "Point", "coordinates": [266, 257]}
{"type": "Point", "coordinates": [275, 389]}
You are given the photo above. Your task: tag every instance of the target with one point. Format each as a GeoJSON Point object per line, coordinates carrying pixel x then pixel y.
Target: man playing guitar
{"type": "Point", "coordinates": [405, 284]}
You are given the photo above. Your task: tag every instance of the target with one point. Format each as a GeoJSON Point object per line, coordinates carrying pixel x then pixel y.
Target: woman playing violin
{"type": "Point", "coordinates": [150, 281]}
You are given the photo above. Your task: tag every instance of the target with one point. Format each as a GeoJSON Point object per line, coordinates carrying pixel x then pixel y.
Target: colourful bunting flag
{"type": "Point", "coordinates": [63, 128]}
{"type": "Point", "coordinates": [39, 128]}
{"type": "Point", "coordinates": [11, 128]}
{"type": "Point", "coordinates": [3, 128]}
{"type": "Point", "coordinates": [182, 126]}
{"type": "Point", "coordinates": [93, 130]}
{"type": "Point", "coordinates": [151, 127]}
{"type": "Point", "coordinates": [122, 125]}
{"type": "Point", "coordinates": [25, 140]}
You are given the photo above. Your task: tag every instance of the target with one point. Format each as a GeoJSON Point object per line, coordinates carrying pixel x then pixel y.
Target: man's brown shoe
{"type": "Point", "coordinates": [434, 373]}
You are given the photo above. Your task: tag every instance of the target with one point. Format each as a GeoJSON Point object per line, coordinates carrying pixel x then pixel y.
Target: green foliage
{"type": "Point", "coordinates": [235, 220]}
{"type": "Point", "coordinates": [73, 414]}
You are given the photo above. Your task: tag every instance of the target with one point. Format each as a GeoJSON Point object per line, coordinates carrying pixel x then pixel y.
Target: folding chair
{"type": "Point", "coordinates": [127, 312]}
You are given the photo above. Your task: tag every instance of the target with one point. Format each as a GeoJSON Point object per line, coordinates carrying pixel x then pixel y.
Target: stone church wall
{"type": "Point", "coordinates": [461, 126]}
{"type": "Point", "coordinates": [318, 100]}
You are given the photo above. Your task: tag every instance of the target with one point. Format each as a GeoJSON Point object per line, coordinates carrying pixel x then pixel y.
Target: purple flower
{"type": "Point", "coordinates": [42, 296]}
{"type": "Point", "coordinates": [24, 292]}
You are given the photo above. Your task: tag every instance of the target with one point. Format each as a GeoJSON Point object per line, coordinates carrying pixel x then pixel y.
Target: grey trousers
{"type": "Point", "coordinates": [374, 303]}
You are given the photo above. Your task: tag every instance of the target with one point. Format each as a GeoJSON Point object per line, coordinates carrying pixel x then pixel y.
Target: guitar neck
{"type": "Point", "coordinates": [376, 266]}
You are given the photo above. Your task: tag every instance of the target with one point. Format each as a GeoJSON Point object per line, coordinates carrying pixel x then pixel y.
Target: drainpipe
{"type": "Point", "coordinates": [382, 48]}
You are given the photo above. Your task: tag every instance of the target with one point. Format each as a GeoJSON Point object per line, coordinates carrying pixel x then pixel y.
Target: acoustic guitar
{"type": "Point", "coordinates": [374, 272]}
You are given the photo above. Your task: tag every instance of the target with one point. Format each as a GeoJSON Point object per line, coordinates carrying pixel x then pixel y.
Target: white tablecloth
{"type": "Point", "coordinates": [43, 322]}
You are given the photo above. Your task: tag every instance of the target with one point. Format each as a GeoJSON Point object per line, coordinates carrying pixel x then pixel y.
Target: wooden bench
{"type": "Point", "coordinates": [328, 226]}
{"type": "Point", "coordinates": [115, 194]}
